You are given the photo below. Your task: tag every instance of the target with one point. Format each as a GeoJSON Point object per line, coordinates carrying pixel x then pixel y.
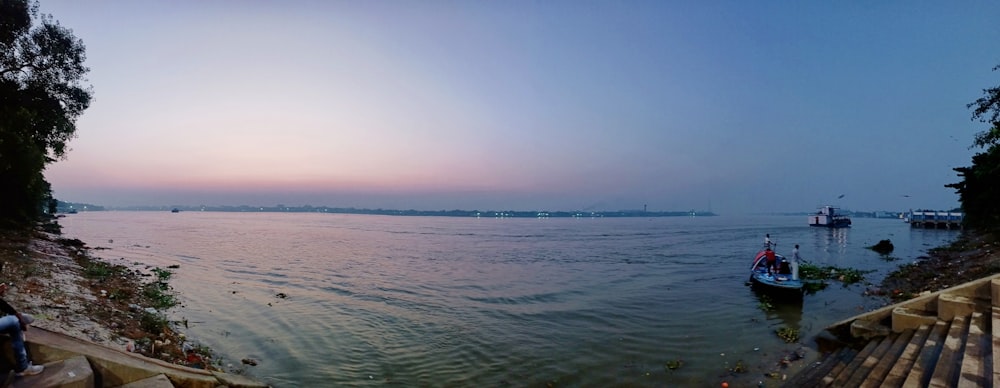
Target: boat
{"type": "Point", "coordinates": [780, 283]}
{"type": "Point", "coordinates": [827, 217]}
{"type": "Point", "coordinates": [175, 210]}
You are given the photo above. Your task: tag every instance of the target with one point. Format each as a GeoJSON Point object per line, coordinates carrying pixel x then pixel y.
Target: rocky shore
{"type": "Point", "coordinates": [70, 292]}
{"type": "Point", "coordinates": [973, 256]}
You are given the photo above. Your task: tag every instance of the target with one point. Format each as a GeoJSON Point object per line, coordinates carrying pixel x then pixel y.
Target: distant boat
{"type": "Point", "coordinates": [827, 217]}
{"type": "Point", "coordinates": [175, 210]}
{"type": "Point", "coordinates": [72, 211]}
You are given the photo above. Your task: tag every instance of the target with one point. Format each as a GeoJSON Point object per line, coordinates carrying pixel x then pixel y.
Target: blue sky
{"type": "Point", "coordinates": [740, 107]}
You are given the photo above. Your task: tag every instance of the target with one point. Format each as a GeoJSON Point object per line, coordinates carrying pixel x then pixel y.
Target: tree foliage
{"type": "Point", "coordinates": [987, 110]}
{"type": "Point", "coordinates": [42, 93]}
{"type": "Point", "coordinates": [979, 189]}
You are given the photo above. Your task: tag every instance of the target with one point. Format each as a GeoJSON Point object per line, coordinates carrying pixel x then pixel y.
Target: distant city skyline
{"type": "Point", "coordinates": [730, 107]}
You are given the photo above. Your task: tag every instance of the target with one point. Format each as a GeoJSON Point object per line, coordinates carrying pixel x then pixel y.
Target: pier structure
{"type": "Point", "coordinates": [934, 219]}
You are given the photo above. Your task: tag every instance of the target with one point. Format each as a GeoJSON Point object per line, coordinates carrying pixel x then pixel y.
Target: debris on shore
{"type": "Point", "coordinates": [972, 256]}
{"type": "Point", "coordinates": [73, 293]}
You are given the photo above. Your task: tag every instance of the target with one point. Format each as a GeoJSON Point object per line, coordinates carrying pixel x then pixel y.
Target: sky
{"type": "Point", "coordinates": [728, 106]}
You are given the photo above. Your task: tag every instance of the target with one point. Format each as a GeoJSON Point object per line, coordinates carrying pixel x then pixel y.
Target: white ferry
{"type": "Point", "coordinates": [827, 217]}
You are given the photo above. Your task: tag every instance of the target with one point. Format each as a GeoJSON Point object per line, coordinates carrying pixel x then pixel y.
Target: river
{"type": "Point", "coordinates": [366, 300]}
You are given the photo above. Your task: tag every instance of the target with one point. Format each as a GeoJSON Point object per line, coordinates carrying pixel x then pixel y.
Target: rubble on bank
{"type": "Point", "coordinates": [973, 256]}
{"type": "Point", "coordinates": [70, 292]}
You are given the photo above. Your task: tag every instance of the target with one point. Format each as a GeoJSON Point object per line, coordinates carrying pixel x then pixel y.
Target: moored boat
{"type": "Point", "coordinates": [779, 283]}
{"type": "Point", "coordinates": [827, 216]}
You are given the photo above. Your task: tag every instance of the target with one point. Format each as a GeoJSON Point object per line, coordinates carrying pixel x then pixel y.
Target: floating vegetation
{"type": "Point", "coordinates": [845, 275]}
{"type": "Point", "coordinates": [765, 303]}
{"type": "Point", "coordinates": [674, 364]}
{"type": "Point", "coordinates": [739, 367]}
{"type": "Point", "coordinates": [789, 335]}
{"type": "Point", "coordinates": [811, 287]}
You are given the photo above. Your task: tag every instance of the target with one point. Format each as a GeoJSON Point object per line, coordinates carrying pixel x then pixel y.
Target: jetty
{"type": "Point", "coordinates": [948, 338]}
{"type": "Point", "coordinates": [72, 362]}
{"type": "Point", "coordinates": [934, 219]}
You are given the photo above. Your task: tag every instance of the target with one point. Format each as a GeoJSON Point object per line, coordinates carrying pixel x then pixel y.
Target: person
{"type": "Point", "coordinates": [794, 262]}
{"type": "Point", "coordinates": [772, 261]}
{"type": "Point", "coordinates": [767, 241]}
{"type": "Point", "coordinates": [14, 324]}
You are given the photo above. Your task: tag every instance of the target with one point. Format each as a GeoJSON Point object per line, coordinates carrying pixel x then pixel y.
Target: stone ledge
{"type": "Point", "coordinates": [114, 367]}
{"type": "Point", "coordinates": [905, 318]}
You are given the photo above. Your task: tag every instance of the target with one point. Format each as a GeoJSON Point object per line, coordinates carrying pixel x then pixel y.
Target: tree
{"type": "Point", "coordinates": [987, 110]}
{"type": "Point", "coordinates": [42, 93]}
{"type": "Point", "coordinates": [980, 186]}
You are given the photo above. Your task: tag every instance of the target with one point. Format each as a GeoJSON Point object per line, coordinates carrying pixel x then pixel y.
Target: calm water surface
{"type": "Point", "coordinates": [441, 301]}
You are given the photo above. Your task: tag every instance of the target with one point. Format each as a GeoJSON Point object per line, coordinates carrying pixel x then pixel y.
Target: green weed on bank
{"type": "Point", "coordinates": [847, 276]}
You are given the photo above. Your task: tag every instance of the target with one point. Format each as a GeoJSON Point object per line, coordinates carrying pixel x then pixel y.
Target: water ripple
{"type": "Point", "coordinates": [343, 300]}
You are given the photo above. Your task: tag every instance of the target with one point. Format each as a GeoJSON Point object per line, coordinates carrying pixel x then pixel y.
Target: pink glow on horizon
{"type": "Point", "coordinates": [522, 104]}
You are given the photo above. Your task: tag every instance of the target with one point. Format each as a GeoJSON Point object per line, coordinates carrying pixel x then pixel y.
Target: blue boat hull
{"type": "Point", "coordinates": [780, 283]}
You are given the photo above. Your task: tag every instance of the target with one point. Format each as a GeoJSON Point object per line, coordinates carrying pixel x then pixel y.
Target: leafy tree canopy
{"type": "Point", "coordinates": [42, 93]}
{"type": "Point", "coordinates": [980, 186]}
{"type": "Point", "coordinates": [987, 110]}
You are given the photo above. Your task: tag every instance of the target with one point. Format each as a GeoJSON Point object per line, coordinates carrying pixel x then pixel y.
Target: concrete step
{"type": "Point", "coordinates": [923, 366]}
{"type": "Point", "coordinates": [901, 368]}
{"type": "Point", "coordinates": [158, 381]}
{"type": "Point", "coordinates": [948, 338]}
{"type": "Point", "coordinates": [868, 329]}
{"type": "Point", "coordinates": [951, 306]}
{"type": "Point", "coordinates": [866, 366]}
{"type": "Point", "coordinates": [904, 318]}
{"type": "Point", "coordinates": [114, 366]}
{"type": "Point", "coordinates": [838, 367]}
{"type": "Point", "coordinates": [74, 372]}
{"type": "Point", "coordinates": [949, 362]}
{"type": "Point", "coordinates": [837, 378]}
{"type": "Point", "coordinates": [955, 353]}
{"type": "Point", "coordinates": [995, 340]}
{"type": "Point", "coordinates": [974, 362]}
{"type": "Point", "coordinates": [880, 370]}
{"type": "Point", "coordinates": [995, 292]}
{"type": "Point", "coordinates": [813, 375]}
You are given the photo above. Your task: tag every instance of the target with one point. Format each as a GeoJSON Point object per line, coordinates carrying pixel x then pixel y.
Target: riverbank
{"type": "Point", "coordinates": [69, 292]}
{"type": "Point", "coordinates": [973, 256]}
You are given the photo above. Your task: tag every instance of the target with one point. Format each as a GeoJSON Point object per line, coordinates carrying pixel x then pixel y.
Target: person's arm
{"type": "Point", "coordinates": [7, 309]}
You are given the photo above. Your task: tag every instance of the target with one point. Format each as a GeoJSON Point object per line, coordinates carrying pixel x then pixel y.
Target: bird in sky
{"type": "Point", "coordinates": [841, 196]}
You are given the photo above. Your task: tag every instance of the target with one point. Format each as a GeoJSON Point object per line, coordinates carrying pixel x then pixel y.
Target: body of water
{"type": "Point", "coordinates": [348, 300]}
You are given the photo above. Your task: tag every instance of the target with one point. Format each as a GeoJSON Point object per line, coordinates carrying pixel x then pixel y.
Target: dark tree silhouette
{"type": "Point", "coordinates": [987, 110]}
{"type": "Point", "coordinates": [42, 93]}
{"type": "Point", "coordinates": [980, 186]}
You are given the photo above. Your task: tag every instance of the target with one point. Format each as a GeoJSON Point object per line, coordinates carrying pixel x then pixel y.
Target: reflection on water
{"type": "Point", "coordinates": [444, 301]}
{"type": "Point", "coordinates": [784, 311]}
{"type": "Point", "coordinates": [833, 241]}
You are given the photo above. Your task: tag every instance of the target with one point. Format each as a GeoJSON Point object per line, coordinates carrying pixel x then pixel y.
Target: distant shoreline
{"type": "Point", "coordinates": [71, 208]}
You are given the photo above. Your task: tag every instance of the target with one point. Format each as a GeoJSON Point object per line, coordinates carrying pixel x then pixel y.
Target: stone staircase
{"type": "Point", "coordinates": [949, 338]}
{"type": "Point", "coordinates": [74, 363]}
